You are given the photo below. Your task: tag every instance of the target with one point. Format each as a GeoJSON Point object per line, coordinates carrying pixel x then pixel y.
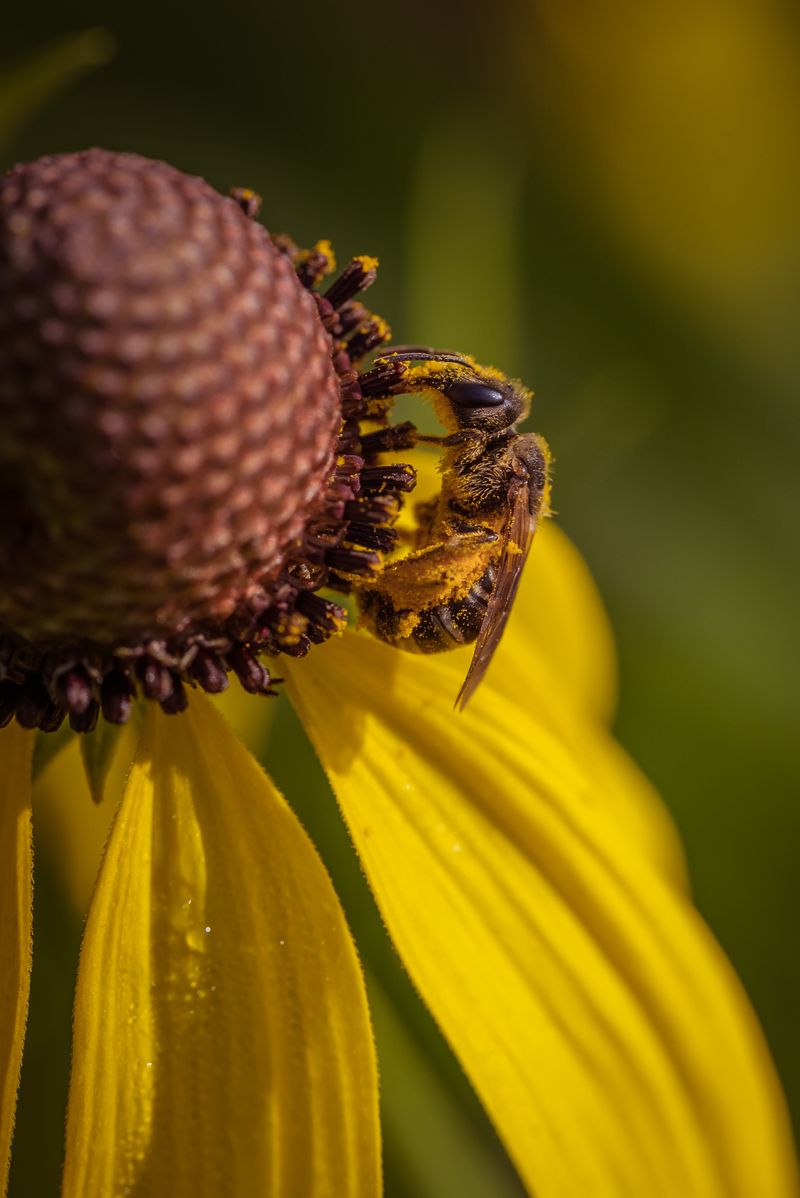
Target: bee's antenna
{"type": "Point", "coordinates": [419, 353]}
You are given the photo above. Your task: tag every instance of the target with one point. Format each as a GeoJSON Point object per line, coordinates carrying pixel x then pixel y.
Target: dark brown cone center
{"type": "Point", "coordinates": [168, 403]}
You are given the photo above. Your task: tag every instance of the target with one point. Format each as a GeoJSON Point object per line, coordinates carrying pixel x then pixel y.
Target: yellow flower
{"type": "Point", "coordinates": [531, 882]}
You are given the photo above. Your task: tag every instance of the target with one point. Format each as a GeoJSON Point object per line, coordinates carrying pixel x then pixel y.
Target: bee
{"type": "Point", "coordinates": [458, 582]}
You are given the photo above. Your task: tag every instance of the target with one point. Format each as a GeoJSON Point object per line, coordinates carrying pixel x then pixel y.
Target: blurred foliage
{"type": "Point", "coordinates": [39, 76]}
{"type": "Point", "coordinates": [602, 199]}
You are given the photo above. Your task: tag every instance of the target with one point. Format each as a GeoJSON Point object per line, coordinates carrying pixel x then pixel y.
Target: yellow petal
{"type": "Point", "coordinates": [559, 643]}
{"type": "Point", "coordinates": [597, 1019]}
{"type": "Point", "coordinates": [526, 667]}
{"type": "Point", "coordinates": [563, 616]}
{"type": "Point", "coordinates": [222, 1039]}
{"type": "Point", "coordinates": [16, 874]}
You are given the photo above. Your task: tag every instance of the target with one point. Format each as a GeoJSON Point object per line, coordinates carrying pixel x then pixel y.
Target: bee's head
{"type": "Point", "coordinates": [465, 394]}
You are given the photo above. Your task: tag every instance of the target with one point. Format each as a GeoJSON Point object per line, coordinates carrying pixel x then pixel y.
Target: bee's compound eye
{"type": "Point", "coordinates": [465, 393]}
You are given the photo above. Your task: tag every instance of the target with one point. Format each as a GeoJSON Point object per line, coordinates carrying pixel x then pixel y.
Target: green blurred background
{"type": "Point", "coordinates": [601, 198]}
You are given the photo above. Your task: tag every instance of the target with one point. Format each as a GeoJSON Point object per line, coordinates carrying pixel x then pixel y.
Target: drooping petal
{"type": "Point", "coordinates": [541, 677]}
{"type": "Point", "coordinates": [16, 898]}
{"type": "Point", "coordinates": [563, 615]}
{"type": "Point", "coordinates": [222, 1040]}
{"type": "Point", "coordinates": [559, 643]}
{"type": "Point", "coordinates": [597, 1019]}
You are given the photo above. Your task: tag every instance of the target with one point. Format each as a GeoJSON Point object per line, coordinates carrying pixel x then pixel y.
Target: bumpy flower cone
{"type": "Point", "coordinates": [178, 403]}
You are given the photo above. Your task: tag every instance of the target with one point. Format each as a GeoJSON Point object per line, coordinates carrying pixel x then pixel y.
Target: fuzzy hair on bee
{"type": "Point", "coordinates": [458, 582]}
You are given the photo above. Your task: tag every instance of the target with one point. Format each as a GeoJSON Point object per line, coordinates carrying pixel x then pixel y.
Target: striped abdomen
{"type": "Point", "coordinates": [439, 628]}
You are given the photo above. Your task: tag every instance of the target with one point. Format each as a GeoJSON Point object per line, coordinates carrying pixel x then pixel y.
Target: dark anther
{"type": "Point", "coordinates": [286, 244]}
{"type": "Point", "coordinates": [76, 689]}
{"type": "Point", "coordinates": [342, 363]}
{"type": "Point", "coordinates": [52, 719]}
{"type": "Point", "coordinates": [248, 200]}
{"type": "Point", "coordinates": [9, 697]}
{"type": "Point", "coordinates": [353, 561]}
{"type": "Point", "coordinates": [338, 495]}
{"type": "Point", "coordinates": [323, 617]}
{"type": "Point", "coordinates": [376, 509]}
{"type": "Point", "coordinates": [327, 314]}
{"type": "Point", "coordinates": [295, 648]}
{"type": "Point", "coordinates": [175, 701]}
{"type": "Point", "coordinates": [390, 439]}
{"type": "Point", "coordinates": [32, 703]}
{"type": "Point", "coordinates": [313, 265]}
{"type": "Point", "coordinates": [155, 679]}
{"type": "Point", "coordinates": [388, 478]}
{"type": "Point", "coordinates": [372, 536]}
{"type": "Point", "coordinates": [303, 575]}
{"type": "Point", "coordinates": [16, 660]}
{"type": "Point", "coordinates": [254, 677]}
{"type": "Point", "coordinates": [357, 276]}
{"type": "Point", "coordinates": [353, 406]}
{"type": "Point", "coordinates": [374, 332]}
{"type": "Point", "coordinates": [284, 629]}
{"type": "Point", "coordinates": [348, 467]}
{"type": "Point", "coordinates": [351, 315]}
{"type": "Point", "coordinates": [323, 614]}
{"type": "Point", "coordinates": [86, 720]}
{"type": "Point", "coordinates": [322, 535]}
{"type": "Point", "coordinates": [116, 697]}
{"type": "Point", "coordinates": [209, 671]}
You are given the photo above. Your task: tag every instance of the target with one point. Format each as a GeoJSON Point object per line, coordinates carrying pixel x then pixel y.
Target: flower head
{"type": "Point", "coordinates": [190, 458]}
{"type": "Point", "coordinates": [180, 461]}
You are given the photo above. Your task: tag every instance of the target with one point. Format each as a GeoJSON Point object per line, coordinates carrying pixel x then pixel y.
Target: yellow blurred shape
{"type": "Point", "coordinates": [678, 124]}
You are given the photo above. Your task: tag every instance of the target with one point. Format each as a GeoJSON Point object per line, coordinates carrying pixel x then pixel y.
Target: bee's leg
{"type": "Point", "coordinates": [424, 514]}
{"type": "Point", "coordinates": [464, 437]}
{"type": "Point", "coordinates": [474, 534]}
{"type": "Point", "coordinates": [418, 536]}
{"type": "Point", "coordinates": [434, 575]}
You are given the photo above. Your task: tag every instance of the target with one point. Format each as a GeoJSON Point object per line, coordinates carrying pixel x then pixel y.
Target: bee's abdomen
{"type": "Point", "coordinates": [456, 623]}
{"type": "Point", "coordinates": [437, 629]}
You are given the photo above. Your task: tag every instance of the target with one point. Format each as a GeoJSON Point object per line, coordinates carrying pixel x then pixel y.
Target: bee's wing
{"type": "Point", "coordinates": [517, 539]}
